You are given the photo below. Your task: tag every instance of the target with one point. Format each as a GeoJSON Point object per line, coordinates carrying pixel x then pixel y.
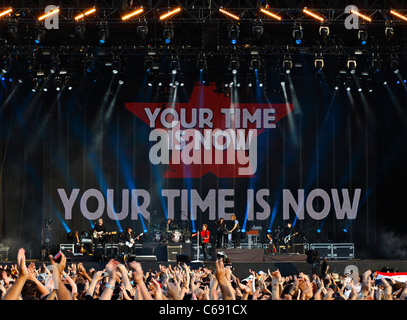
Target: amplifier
{"type": "Point", "coordinates": [172, 252]}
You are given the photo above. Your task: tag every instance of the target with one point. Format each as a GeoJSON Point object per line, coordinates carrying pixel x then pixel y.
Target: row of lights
{"type": "Point", "coordinates": [233, 30]}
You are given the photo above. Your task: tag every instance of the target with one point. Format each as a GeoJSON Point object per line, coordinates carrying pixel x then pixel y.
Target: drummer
{"type": "Point", "coordinates": [204, 239]}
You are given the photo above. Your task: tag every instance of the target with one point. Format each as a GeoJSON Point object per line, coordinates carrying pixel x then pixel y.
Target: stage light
{"type": "Point", "coordinates": [229, 14]}
{"type": "Point", "coordinates": [142, 30]}
{"type": "Point", "coordinates": [5, 12]}
{"type": "Point", "coordinates": [89, 64]}
{"type": "Point", "coordinates": [233, 33]}
{"type": "Point", "coordinates": [55, 64]}
{"type": "Point", "coordinates": [175, 65]}
{"type": "Point", "coordinates": [364, 17]}
{"type": "Point", "coordinates": [313, 15]}
{"type": "Point", "coordinates": [201, 63]}
{"type": "Point", "coordinates": [84, 14]}
{"type": "Point", "coordinates": [168, 33]}
{"type": "Point", "coordinates": [39, 35]}
{"type": "Point", "coordinates": [319, 62]}
{"type": "Point", "coordinates": [270, 14]}
{"type": "Point", "coordinates": [58, 84]}
{"type": "Point", "coordinates": [116, 66]}
{"type": "Point", "coordinates": [389, 30]}
{"type": "Point", "coordinates": [398, 15]}
{"type": "Point", "coordinates": [376, 64]}
{"type": "Point", "coordinates": [351, 64]}
{"type": "Point", "coordinates": [170, 13]}
{"type": "Point", "coordinates": [12, 30]}
{"type": "Point", "coordinates": [234, 65]}
{"type": "Point", "coordinates": [362, 35]}
{"type": "Point", "coordinates": [132, 14]}
{"type": "Point", "coordinates": [324, 31]}
{"type": "Point", "coordinates": [103, 33]}
{"type": "Point", "coordinates": [80, 31]}
{"type": "Point", "coordinates": [257, 30]}
{"type": "Point", "coordinates": [394, 64]}
{"type": "Point", "coordinates": [297, 33]}
{"type": "Point", "coordinates": [51, 13]}
{"type": "Point", "coordinates": [345, 230]}
{"type": "Point", "coordinates": [318, 230]}
{"type": "Point", "coordinates": [287, 64]}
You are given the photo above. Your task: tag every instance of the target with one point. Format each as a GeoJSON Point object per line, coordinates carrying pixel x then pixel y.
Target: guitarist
{"type": "Point", "coordinates": [100, 235]}
{"type": "Point", "coordinates": [289, 234]}
{"type": "Point", "coordinates": [130, 240]}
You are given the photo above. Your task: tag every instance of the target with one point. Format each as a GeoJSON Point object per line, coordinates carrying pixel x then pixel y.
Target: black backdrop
{"type": "Point", "coordinates": [87, 139]}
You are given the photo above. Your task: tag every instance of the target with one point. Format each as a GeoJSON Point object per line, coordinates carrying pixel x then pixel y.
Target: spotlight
{"type": "Point", "coordinates": [351, 64]}
{"type": "Point", "coordinates": [255, 63]}
{"type": "Point", "coordinates": [201, 63]}
{"type": "Point", "coordinates": [234, 65]}
{"type": "Point", "coordinates": [257, 30]}
{"type": "Point", "coordinates": [103, 33]}
{"type": "Point", "coordinates": [398, 15]}
{"type": "Point", "coordinates": [389, 31]}
{"type": "Point", "coordinates": [58, 84]}
{"type": "Point", "coordinates": [39, 35]}
{"type": "Point", "coordinates": [345, 230]}
{"type": "Point", "coordinates": [375, 64]}
{"type": "Point", "coordinates": [319, 62]}
{"type": "Point", "coordinates": [142, 30]}
{"type": "Point", "coordinates": [324, 31]}
{"type": "Point", "coordinates": [362, 35]}
{"type": "Point", "coordinates": [116, 66]}
{"type": "Point", "coordinates": [80, 31]}
{"type": "Point", "coordinates": [55, 64]}
{"type": "Point", "coordinates": [174, 65]}
{"type": "Point", "coordinates": [394, 64]}
{"type": "Point", "coordinates": [297, 33]}
{"type": "Point", "coordinates": [12, 30]}
{"type": "Point", "coordinates": [89, 64]}
{"type": "Point", "coordinates": [287, 64]}
{"type": "Point", "coordinates": [168, 33]}
{"type": "Point", "coordinates": [233, 33]}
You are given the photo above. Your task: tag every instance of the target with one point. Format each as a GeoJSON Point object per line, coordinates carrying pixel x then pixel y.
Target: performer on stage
{"type": "Point", "coordinates": [289, 234]}
{"type": "Point", "coordinates": [235, 232]}
{"type": "Point", "coordinates": [220, 232]}
{"type": "Point", "coordinates": [100, 235]}
{"type": "Point", "coordinates": [130, 240]}
{"type": "Point", "coordinates": [204, 239]}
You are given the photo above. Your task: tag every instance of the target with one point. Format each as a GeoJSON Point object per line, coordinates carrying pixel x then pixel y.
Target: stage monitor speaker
{"type": "Point", "coordinates": [182, 258]}
{"type": "Point", "coordinates": [172, 252]}
{"type": "Point", "coordinates": [143, 258]}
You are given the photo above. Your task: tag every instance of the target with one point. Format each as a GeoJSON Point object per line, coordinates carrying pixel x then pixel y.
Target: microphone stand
{"type": "Point", "coordinates": [197, 253]}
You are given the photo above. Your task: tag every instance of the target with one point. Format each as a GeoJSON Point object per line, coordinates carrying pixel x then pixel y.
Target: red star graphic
{"type": "Point", "coordinates": [205, 96]}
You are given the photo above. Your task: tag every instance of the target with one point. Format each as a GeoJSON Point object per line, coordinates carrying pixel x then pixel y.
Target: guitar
{"type": "Point", "coordinates": [131, 242]}
{"type": "Point", "coordinates": [99, 234]}
{"type": "Point", "coordinates": [288, 238]}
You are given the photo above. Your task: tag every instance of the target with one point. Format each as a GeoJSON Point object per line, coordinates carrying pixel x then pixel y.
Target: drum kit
{"type": "Point", "coordinates": [173, 232]}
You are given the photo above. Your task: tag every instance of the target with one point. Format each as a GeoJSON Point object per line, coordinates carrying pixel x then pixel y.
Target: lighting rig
{"type": "Point", "coordinates": [90, 38]}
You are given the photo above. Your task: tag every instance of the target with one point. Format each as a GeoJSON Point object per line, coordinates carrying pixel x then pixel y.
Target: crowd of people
{"type": "Point", "coordinates": [60, 280]}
